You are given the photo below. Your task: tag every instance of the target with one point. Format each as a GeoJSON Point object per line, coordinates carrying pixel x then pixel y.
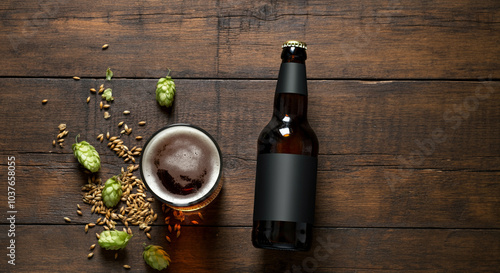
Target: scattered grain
{"type": "Point", "coordinates": [88, 99]}
{"type": "Point", "coordinates": [76, 78]}
{"type": "Point", "coordinates": [138, 138]}
{"type": "Point", "coordinates": [44, 101]}
{"type": "Point", "coordinates": [126, 266]}
{"type": "Point", "coordinates": [105, 46]}
{"type": "Point", "coordinates": [91, 254]}
{"type": "Point", "coordinates": [126, 112]}
{"type": "Point", "coordinates": [92, 90]}
{"type": "Point", "coordinates": [67, 219]}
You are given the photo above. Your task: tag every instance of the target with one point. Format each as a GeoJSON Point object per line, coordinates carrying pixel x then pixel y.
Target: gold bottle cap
{"type": "Point", "coordinates": [294, 44]}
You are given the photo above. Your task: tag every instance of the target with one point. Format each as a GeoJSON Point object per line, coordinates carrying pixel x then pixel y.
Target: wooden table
{"type": "Point", "coordinates": [404, 98]}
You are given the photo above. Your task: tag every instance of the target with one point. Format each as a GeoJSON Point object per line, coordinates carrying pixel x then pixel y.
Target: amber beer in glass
{"type": "Point", "coordinates": [287, 148]}
{"type": "Point", "coordinates": [181, 165]}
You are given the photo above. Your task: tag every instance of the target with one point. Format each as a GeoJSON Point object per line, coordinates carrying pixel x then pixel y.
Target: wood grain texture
{"type": "Point", "coordinates": [369, 172]}
{"type": "Point", "coordinates": [392, 39]}
{"type": "Point", "coordinates": [225, 249]}
{"type": "Point", "coordinates": [404, 97]}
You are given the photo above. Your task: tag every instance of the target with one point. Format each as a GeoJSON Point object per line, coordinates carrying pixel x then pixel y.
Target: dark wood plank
{"type": "Point", "coordinates": [368, 132]}
{"type": "Point", "coordinates": [351, 39]}
{"type": "Point", "coordinates": [64, 38]}
{"type": "Point", "coordinates": [376, 121]}
{"type": "Point", "coordinates": [46, 248]}
{"type": "Point", "coordinates": [49, 189]}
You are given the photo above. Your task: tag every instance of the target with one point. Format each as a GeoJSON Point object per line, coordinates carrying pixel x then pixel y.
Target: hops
{"type": "Point", "coordinates": [112, 192]}
{"type": "Point", "coordinates": [114, 239]}
{"type": "Point", "coordinates": [156, 257]}
{"type": "Point", "coordinates": [165, 91]}
{"type": "Point", "coordinates": [87, 155]}
{"type": "Point", "coordinates": [108, 94]}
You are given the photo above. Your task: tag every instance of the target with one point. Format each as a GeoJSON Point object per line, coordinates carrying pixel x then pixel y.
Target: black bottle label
{"type": "Point", "coordinates": [285, 188]}
{"type": "Point", "coordinates": [292, 79]}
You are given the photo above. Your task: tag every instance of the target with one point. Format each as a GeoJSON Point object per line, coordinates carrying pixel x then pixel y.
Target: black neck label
{"type": "Point", "coordinates": [285, 188]}
{"type": "Point", "coordinates": [292, 79]}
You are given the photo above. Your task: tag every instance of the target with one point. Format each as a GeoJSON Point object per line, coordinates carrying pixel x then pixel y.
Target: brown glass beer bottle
{"type": "Point", "coordinates": [285, 184]}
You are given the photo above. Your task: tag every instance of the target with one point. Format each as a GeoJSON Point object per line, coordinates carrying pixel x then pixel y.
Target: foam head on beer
{"type": "Point", "coordinates": [181, 164]}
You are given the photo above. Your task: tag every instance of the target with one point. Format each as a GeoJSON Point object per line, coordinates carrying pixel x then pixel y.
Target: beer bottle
{"type": "Point", "coordinates": [285, 184]}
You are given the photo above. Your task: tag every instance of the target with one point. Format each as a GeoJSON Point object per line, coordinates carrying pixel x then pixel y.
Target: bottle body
{"type": "Point", "coordinates": [286, 166]}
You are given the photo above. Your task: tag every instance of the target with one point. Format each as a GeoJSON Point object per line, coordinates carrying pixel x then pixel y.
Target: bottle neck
{"type": "Point", "coordinates": [291, 90]}
{"type": "Point", "coordinates": [290, 105]}
{"type": "Point", "coordinates": [292, 75]}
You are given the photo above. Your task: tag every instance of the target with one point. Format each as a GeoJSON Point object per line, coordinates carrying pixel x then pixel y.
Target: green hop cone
{"type": "Point", "coordinates": [112, 192]}
{"type": "Point", "coordinates": [114, 239]}
{"type": "Point", "coordinates": [165, 91]}
{"type": "Point", "coordinates": [87, 155]}
{"type": "Point", "coordinates": [156, 257]}
{"type": "Point", "coordinates": [108, 94]}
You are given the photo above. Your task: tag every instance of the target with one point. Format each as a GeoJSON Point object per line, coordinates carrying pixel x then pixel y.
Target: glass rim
{"type": "Point", "coordinates": [219, 174]}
